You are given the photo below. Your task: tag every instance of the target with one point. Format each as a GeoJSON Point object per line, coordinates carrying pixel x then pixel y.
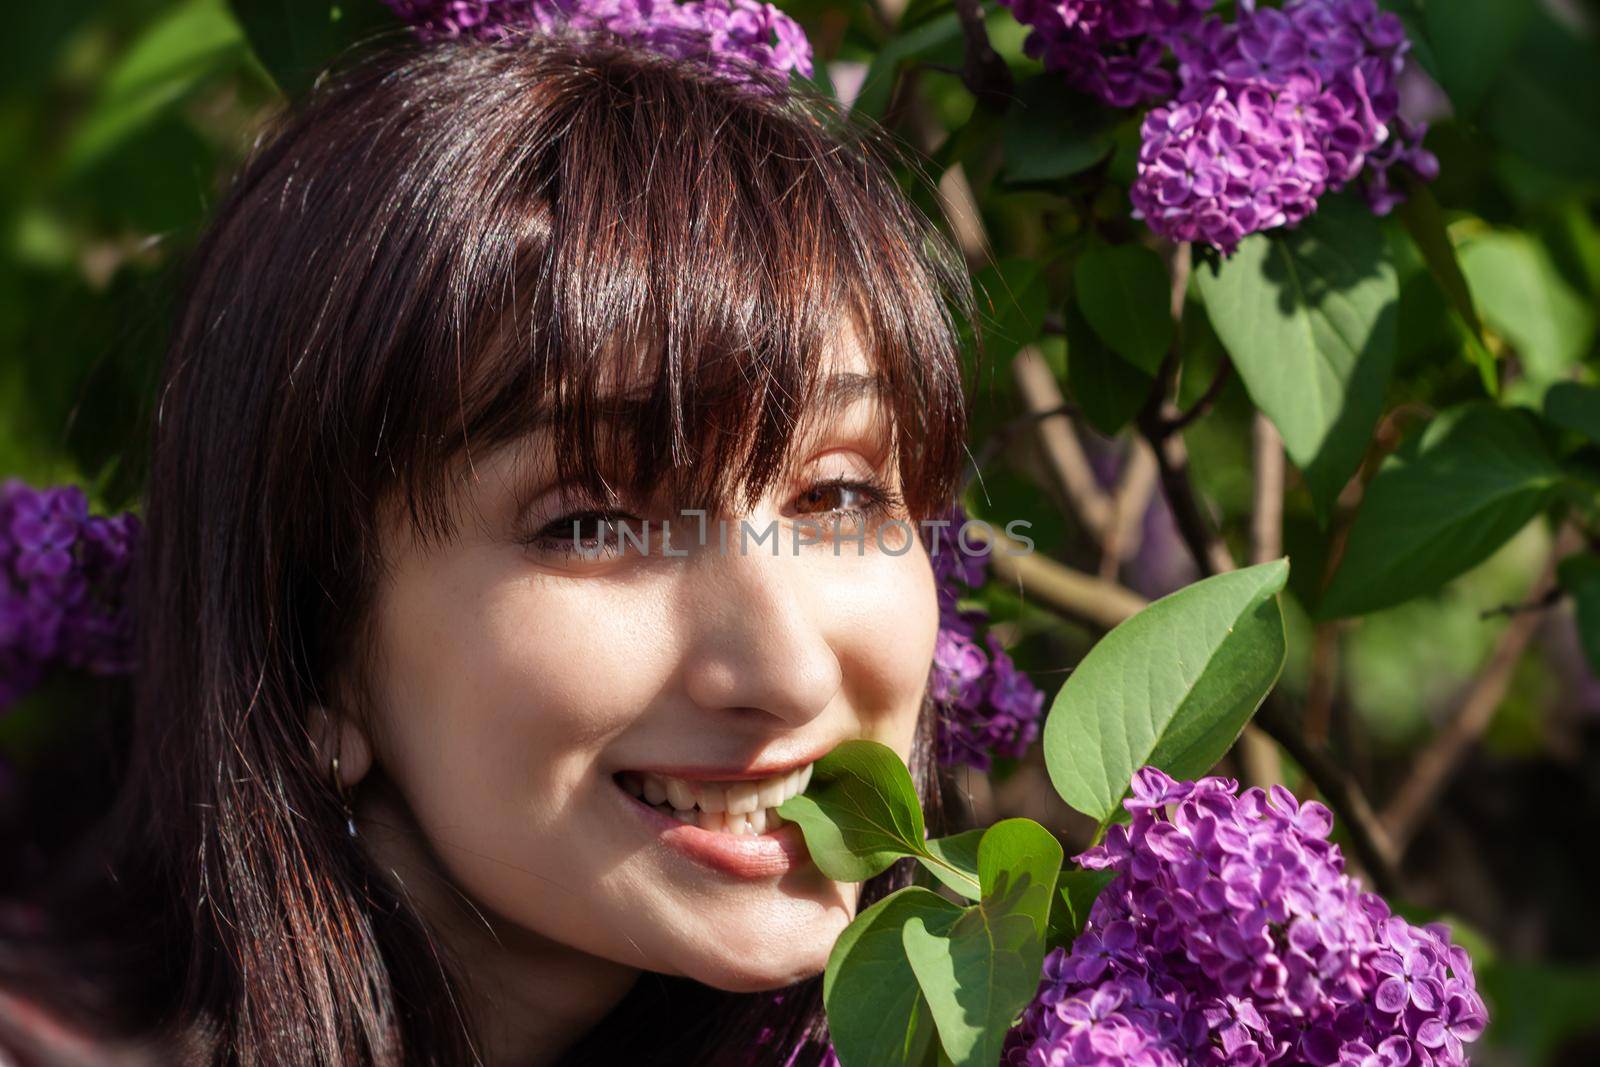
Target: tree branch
{"type": "Point", "coordinates": [1041, 393]}
{"type": "Point", "coordinates": [1204, 404]}
{"type": "Point", "coordinates": [1435, 765]}
{"type": "Point", "coordinates": [985, 74]}
{"type": "Point", "coordinates": [1134, 490]}
{"type": "Point", "coordinates": [1059, 588]}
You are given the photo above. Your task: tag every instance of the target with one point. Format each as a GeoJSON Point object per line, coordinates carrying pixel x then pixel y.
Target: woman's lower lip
{"type": "Point", "coordinates": [741, 855]}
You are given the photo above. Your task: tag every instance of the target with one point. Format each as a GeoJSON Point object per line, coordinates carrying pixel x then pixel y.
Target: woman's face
{"type": "Point", "coordinates": [580, 741]}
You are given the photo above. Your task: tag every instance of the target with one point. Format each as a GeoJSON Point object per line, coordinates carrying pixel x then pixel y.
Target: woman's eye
{"type": "Point", "coordinates": [856, 499]}
{"type": "Point", "coordinates": [585, 534]}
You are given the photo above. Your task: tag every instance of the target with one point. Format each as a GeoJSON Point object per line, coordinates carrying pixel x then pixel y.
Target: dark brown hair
{"type": "Point", "coordinates": [441, 240]}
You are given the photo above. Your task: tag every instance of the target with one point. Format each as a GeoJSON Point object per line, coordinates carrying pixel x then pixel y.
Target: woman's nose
{"type": "Point", "coordinates": [759, 641]}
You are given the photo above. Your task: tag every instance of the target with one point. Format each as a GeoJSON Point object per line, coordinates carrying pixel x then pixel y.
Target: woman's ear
{"type": "Point", "coordinates": [340, 736]}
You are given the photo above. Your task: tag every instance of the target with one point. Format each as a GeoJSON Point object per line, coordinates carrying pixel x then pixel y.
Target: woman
{"type": "Point", "coordinates": [427, 769]}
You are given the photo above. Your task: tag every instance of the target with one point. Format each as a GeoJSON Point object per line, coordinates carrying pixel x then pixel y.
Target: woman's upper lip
{"type": "Point", "coordinates": [745, 771]}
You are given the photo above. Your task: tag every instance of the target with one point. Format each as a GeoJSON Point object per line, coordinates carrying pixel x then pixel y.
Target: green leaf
{"type": "Point", "coordinates": [1309, 319]}
{"type": "Point", "coordinates": [860, 813]}
{"type": "Point", "coordinates": [1078, 890]}
{"type": "Point", "coordinates": [876, 1012]}
{"type": "Point", "coordinates": [162, 66]}
{"type": "Point", "coordinates": [1441, 505]}
{"type": "Point", "coordinates": [1472, 41]}
{"type": "Point", "coordinates": [1425, 223]}
{"type": "Point", "coordinates": [1016, 295]}
{"type": "Point", "coordinates": [1544, 107]}
{"type": "Point", "coordinates": [1172, 687]}
{"type": "Point", "coordinates": [979, 972]}
{"type": "Point", "coordinates": [1014, 847]}
{"type": "Point", "coordinates": [1580, 577]}
{"type": "Point", "coordinates": [958, 853]}
{"type": "Point", "coordinates": [1574, 407]}
{"type": "Point", "coordinates": [1108, 389]}
{"type": "Point", "coordinates": [1051, 133]}
{"type": "Point", "coordinates": [1526, 299]}
{"type": "Point", "coordinates": [1123, 293]}
{"type": "Point", "coordinates": [926, 38]}
{"type": "Point", "coordinates": [296, 39]}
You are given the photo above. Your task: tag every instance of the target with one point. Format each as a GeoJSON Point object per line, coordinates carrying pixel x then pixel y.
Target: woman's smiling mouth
{"type": "Point", "coordinates": [729, 807]}
{"type": "Point", "coordinates": [729, 825]}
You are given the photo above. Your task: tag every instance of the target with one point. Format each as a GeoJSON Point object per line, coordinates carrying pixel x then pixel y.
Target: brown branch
{"type": "Point", "coordinates": [1211, 555]}
{"type": "Point", "coordinates": [1258, 756]}
{"type": "Point", "coordinates": [1436, 764]}
{"type": "Point", "coordinates": [1266, 518]}
{"type": "Point", "coordinates": [985, 74]}
{"type": "Point", "coordinates": [1202, 406]}
{"type": "Point", "coordinates": [1058, 587]}
{"type": "Point", "coordinates": [1041, 393]}
{"type": "Point", "coordinates": [1134, 489]}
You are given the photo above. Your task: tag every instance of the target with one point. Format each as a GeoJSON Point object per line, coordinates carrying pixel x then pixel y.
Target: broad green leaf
{"type": "Point", "coordinates": [1052, 133]}
{"type": "Point", "coordinates": [959, 867]}
{"type": "Point", "coordinates": [860, 813]}
{"type": "Point", "coordinates": [1173, 686]}
{"type": "Point", "coordinates": [1472, 40]}
{"type": "Point", "coordinates": [1441, 505]}
{"type": "Point", "coordinates": [160, 69]}
{"type": "Point", "coordinates": [296, 39]}
{"type": "Point", "coordinates": [980, 971]}
{"type": "Point", "coordinates": [1526, 299]}
{"type": "Point", "coordinates": [1014, 847]}
{"type": "Point", "coordinates": [1425, 223]}
{"type": "Point", "coordinates": [1108, 389]}
{"type": "Point", "coordinates": [1574, 407]}
{"type": "Point", "coordinates": [1580, 577]}
{"type": "Point", "coordinates": [1308, 317]}
{"type": "Point", "coordinates": [876, 1013]}
{"type": "Point", "coordinates": [1077, 892]}
{"type": "Point", "coordinates": [1123, 294]}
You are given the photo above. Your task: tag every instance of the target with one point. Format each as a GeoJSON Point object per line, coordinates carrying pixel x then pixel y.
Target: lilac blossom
{"type": "Point", "coordinates": [988, 706]}
{"type": "Point", "coordinates": [1231, 935]}
{"type": "Point", "coordinates": [745, 40]}
{"type": "Point", "coordinates": [63, 587]}
{"type": "Point", "coordinates": [1275, 109]}
{"type": "Point", "coordinates": [1112, 49]}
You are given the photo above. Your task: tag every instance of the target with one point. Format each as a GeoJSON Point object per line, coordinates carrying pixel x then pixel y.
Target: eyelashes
{"type": "Point", "coordinates": [871, 500]}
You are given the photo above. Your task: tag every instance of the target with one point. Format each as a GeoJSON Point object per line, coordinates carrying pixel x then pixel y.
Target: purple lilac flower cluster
{"type": "Point", "coordinates": [1113, 49]}
{"type": "Point", "coordinates": [1259, 116]}
{"type": "Point", "coordinates": [1231, 935]}
{"type": "Point", "coordinates": [63, 586]}
{"type": "Point", "coordinates": [741, 39]}
{"type": "Point", "coordinates": [989, 707]}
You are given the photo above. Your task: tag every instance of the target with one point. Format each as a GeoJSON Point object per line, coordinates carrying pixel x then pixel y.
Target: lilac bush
{"type": "Point", "coordinates": [1232, 935]}
{"type": "Point", "coordinates": [741, 39]}
{"type": "Point", "coordinates": [1255, 118]}
{"type": "Point", "coordinates": [63, 587]}
{"type": "Point", "coordinates": [988, 707]}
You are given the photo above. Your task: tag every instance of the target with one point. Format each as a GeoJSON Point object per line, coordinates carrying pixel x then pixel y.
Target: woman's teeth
{"type": "Point", "coordinates": [728, 807]}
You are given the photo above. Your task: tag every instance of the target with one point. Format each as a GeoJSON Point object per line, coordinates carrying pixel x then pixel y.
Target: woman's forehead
{"type": "Point", "coordinates": [847, 392]}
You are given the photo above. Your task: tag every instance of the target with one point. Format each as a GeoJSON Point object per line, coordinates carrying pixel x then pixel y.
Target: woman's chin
{"type": "Point", "coordinates": [757, 959]}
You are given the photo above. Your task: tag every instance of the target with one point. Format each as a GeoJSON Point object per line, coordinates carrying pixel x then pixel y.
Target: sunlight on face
{"type": "Point", "coordinates": [533, 705]}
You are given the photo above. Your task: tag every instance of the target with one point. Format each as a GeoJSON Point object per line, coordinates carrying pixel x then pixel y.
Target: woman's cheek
{"type": "Point", "coordinates": [888, 619]}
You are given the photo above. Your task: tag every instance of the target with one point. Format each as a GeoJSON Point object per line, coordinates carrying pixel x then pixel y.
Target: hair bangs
{"type": "Point", "coordinates": [653, 270]}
